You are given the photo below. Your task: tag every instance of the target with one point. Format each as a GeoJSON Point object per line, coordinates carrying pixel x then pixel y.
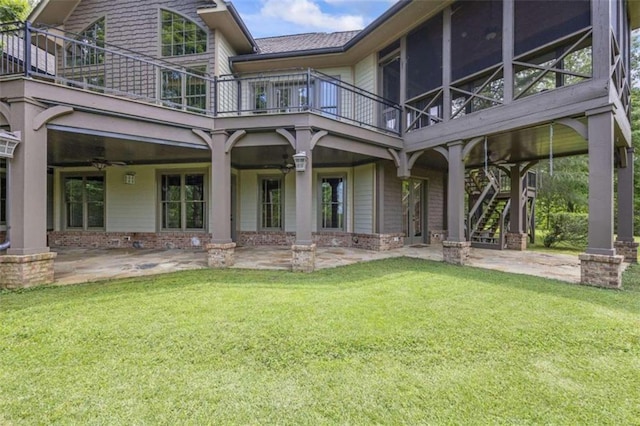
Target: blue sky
{"type": "Point", "coordinates": [267, 18]}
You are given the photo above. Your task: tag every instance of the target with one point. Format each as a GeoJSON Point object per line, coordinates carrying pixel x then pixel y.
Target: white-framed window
{"type": "Point", "coordinates": [332, 193]}
{"type": "Point", "coordinates": [271, 203]}
{"type": "Point", "coordinates": [183, 201]}
{"type": "Point", "coordinates": [84, 201]}
{"type": "Point", "coordinates": [184, 89]}
{"type": "Point", "coordinates": [3, 192]}
{"type": "Point", "coordinates": [180, 36]}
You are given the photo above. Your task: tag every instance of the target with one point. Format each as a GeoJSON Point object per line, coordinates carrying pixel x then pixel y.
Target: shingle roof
{"type": "Point", "coordinates": [308, 41]}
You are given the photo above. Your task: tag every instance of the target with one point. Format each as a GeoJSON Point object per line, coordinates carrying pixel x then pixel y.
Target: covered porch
{"type": "Point", "coordinates": [75, 266]}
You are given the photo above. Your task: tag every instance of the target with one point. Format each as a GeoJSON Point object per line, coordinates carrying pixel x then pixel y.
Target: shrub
{"type": "Point", "coordinates": [571, 228]}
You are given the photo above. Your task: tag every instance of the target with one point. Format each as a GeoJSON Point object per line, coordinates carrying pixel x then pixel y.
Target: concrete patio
{"type": "Point", "coordinates": [74, 266]}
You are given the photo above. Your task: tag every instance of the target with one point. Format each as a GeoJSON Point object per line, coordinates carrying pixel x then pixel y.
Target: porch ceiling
{"type": "Point", "coordinates": [273, 157]}
{"type": "Point", "coordinates": [528, 144]}
{"type": "Point", "coordinates": [67, 149]}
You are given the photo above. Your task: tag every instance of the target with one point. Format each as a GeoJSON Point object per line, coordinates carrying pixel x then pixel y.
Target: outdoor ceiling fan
{"type": "Point", "coordinates": [101, 163]}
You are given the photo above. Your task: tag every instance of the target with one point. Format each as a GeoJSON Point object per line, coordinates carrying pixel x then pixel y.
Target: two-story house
{"type": "Point", "coordinates": [165, 124]}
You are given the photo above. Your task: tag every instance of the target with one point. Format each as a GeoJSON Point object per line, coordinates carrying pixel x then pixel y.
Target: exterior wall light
{"type": "Point", "coordinates": [300, 159]}
{"type": "Point", "coordinates": [8, 143]}
{"type": "Point", "coordinates": [130, 178]}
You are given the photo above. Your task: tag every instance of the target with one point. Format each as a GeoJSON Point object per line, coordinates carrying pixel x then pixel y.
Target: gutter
{"type": "Point", "coordinates": [326, 50]}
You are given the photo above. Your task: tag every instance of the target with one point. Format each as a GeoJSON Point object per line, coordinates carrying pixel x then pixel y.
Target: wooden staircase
{"type": "Point", "coordinates": [489, 203]}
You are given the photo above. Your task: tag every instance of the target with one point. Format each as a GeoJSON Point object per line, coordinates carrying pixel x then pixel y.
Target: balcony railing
{"type": "Point", "coordinates": [72, 60]}
{"type": "Point", "coordinates": [305, 90]}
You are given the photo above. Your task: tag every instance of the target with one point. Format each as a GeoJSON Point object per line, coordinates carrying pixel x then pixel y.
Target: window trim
{"type": "Point", "coordinates": [282, 179]}
{"type": "Point", "coordinates": [345, 199]}
{"type": "Point", "coordinates": [183, 172]}
{"type": "Point", "coordinates": [187, 18]}
{"type": "Point", "coordinates": [85, 213]}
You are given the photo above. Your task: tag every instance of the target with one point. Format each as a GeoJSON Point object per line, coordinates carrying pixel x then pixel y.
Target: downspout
{"type": "Point", "coordinates": [7, 243]}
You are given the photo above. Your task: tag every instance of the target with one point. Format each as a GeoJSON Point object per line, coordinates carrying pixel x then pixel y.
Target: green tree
{"type": "Point", "coordinates": [14, 10]}
{"type": "Point", "coordinates": [564, 190]}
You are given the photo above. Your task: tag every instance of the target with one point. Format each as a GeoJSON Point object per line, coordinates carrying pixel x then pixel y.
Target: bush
{"type": "Point", "coordinates": [571, 228]}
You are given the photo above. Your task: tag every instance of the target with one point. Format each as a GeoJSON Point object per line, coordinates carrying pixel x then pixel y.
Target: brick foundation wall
{"type": "Point", "coordinates": [221, 255]}
{"type": "Point", "coordinates": [178, 240]}
{"type": "Point", "coordinates": [516, 241]}
{"type": "Point", "coordinates": [26, 271]}
{"type": "Point", "coordinates": [303, 258]}
{"type": "Point", "coordinates": [375, 242]}
{"type": "Point", "coordinates": [150, 240]}
{"type": "Point", "coordinates": [628, 249]}
{"type": "Point", "coordinates": [601, 270]}
{"type": "Point", "coordinates": [455, 252]}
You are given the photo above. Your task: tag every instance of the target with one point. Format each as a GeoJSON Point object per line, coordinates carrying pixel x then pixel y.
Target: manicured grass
{"type": "Point", "coordinates": [394, 341]}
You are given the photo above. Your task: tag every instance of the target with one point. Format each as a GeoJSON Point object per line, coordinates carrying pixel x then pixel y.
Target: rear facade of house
{"type": "Point", "coordinates": [165, 124]}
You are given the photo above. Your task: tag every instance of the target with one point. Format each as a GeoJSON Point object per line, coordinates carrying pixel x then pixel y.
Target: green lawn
{"type": "Point", "coordinates": [394, 341]}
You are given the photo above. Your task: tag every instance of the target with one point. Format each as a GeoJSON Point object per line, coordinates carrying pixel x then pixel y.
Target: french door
{"type": "Point", "coordinates": [414, 208]}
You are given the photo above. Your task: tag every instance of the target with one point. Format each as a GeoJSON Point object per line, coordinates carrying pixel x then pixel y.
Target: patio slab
{"type": "Point", "coordinates": [74, 266]}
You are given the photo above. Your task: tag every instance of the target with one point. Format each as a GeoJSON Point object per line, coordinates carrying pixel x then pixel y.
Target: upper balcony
{"type": "Point", "coordinates": [69, 60]}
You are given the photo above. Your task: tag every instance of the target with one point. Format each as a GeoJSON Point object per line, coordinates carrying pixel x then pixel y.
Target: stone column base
{"type": "Point", "coordinates": [303, 258]}
{"type": "Point", "coordinates": [22, 271]}
{"type": "Point", "coordinates": [601, 270]}
{"type": "Point", "coordinates": [221, 255]}
{"type": "Point", "coordinates": [516, 241]}
{"type": "Point", "coordinates": [628, 249]}
{"type": "Point", "coordinates": [456, 252]}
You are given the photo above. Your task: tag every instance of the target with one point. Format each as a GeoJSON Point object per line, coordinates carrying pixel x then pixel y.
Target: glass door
{"type": "Point", "coordinates": [413, 206]}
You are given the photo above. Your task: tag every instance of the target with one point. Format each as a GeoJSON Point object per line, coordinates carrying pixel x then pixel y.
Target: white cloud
{"type": "Point", "coordinates": [308, 13]}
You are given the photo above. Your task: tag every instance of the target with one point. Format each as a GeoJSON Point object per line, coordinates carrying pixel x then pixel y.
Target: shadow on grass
{"type": "Point", "coordinates": [331, 280]}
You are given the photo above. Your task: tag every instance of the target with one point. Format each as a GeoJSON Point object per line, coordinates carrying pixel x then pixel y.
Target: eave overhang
{"type": "Point", "coordinates": [52, 12]}
{"type": "Point", "coordinates": [223, 16]}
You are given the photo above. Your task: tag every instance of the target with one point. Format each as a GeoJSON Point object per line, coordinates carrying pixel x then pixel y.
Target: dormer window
{"type": "Point", "coordinates": [181, 36]}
